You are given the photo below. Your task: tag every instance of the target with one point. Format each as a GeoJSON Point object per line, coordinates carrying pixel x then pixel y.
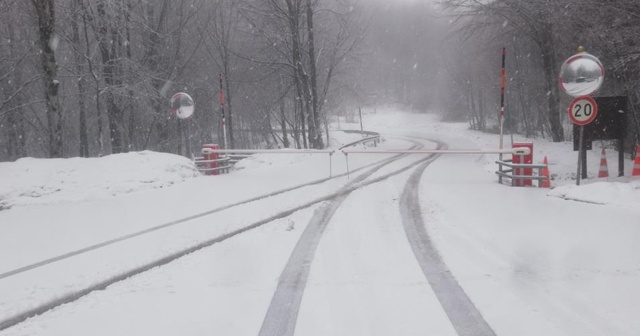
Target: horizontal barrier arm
{"type": "Point", "coordinates": [518, 151]}
{"type": "Point", "coordinates": [272, 151]}
{"type": "Point", "coordinates": [521, 177]}
{"type": "Point", "coordinates": [214, 169]}
{"type": "Point", "coordinates": [528, 177]}
{"type": "Point", "coordinates": [521, 165]}
{"type": "Point", "coordinates": [211, 161]}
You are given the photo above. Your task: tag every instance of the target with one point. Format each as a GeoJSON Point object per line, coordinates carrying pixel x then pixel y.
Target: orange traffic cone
{"type": "Point", "coordinates": [636, 163]}
{"type": "Point", "coordinates": [604, 169]}
{"type": "Point", "coordinates": [546, 183]}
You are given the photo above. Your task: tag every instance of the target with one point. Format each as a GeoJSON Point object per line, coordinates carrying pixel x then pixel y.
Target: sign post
{"type": "Point", "coordinates": [582, 111]}
{"type": "Point", "coordinates": [182, 106]}
{"type": "Point", "coordinates": [580, 76]}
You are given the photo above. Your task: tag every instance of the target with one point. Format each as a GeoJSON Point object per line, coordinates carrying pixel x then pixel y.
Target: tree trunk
{"type": "Point", "coordinates": [316, 142]}
{"type": "Point", "coordinates": [133, 122]}
{"type": "Point", "coordinates": [547, 46]}
{"type": "Point", "coordinates": [45, 12]}
{"type": "Point", "coordinates": [107, 46]}
{"type": "Point", "coordinates": [298, 104]}
{"type": "Point", "coordinates": [228, 102]}
{"type": "Point", "coordinates": [482, 120]}
{"type": "Point", "coordinates": [283, 124]}
{"type": "Point", "coordinates": [16, 135]}
{"type": "Point", "coordinates": [302, 79]}
{"type": "Point", "coordinates": [86, 16]}
{"type": "Point", "coordinates": [82, 91]}
{"type": "Point", "coordinates": [152, 56]}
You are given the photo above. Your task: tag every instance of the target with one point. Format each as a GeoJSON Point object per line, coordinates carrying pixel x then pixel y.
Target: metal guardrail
{"type": "Point", "coordinates": [375, 139]}
{"type": "Point", "coordinates": [201, 164]}
{"type": "Point", "coordinates": [369, 133]}
{"type": "Point", "coordinates": [509, 173]}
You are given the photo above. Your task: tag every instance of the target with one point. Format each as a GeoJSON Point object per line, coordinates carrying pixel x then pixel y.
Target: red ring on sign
{"type": "Point", "coordinates": [593, 115]}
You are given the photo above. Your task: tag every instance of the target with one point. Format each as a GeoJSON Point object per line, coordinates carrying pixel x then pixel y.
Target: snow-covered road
{"type": "Point", "coordinates": [40, 286]}
{"type": "Point", "coordinates": [446, 251]}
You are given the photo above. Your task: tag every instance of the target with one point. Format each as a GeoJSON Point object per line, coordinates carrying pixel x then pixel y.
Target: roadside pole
{"type": "Point", "coordinates": [503, 80]}
{"type": "Point", "coordinates": [182, 106]}
{"type": "Point", "coordinates": [582, 111]}
{"type": "Point", "coordinates": [581, 75]}
{"type": "Point", "coordinates": [580, 155]}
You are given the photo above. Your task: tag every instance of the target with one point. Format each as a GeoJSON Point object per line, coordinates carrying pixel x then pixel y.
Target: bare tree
{"type": "Point", "coordinates": [45, 12]}
{"type": "Point", "coordinates": [221, 30]}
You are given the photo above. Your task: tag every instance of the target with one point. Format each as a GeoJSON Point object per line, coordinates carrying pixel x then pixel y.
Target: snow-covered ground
{"type": "Point", "coordinates": [534, 263]}
{"type": "Point", "coordinates": [30, 181]}
{"type": "Point", "coordinates": [561, 261]}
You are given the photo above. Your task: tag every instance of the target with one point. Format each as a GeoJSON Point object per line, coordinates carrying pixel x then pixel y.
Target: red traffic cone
{"type": "Point", "coordinates": [604, 169]}
{"type": "Point", "coordinates": [546, 183]}
{"type": "Point", "coordinates": [636, 163]}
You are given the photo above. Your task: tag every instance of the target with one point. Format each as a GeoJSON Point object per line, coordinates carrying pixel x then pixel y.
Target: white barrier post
{"type": "Point", "coordinates": [330, 165]}
{"type": "Point", "coordinates": [346, 156]}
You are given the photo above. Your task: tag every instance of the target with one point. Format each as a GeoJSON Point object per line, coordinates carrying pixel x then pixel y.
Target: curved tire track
{"type": "Point", "coordinates": [73, 296]}
{"type": "Point", "coordinates": [282, 314]}
{"type": "Point", "coordinates": [172, 223]}
{"type": "Point", "coordinates": [463, 314]}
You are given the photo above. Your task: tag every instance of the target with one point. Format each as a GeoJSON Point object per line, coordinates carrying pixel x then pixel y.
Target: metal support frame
{"type": "Point", "coordinates": [514, 172]}
{"type": "Point", "coordinates": [224, 169]}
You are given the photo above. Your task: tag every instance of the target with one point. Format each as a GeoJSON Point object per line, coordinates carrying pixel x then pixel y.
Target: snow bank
{"type": "Point", "coordinates": [42, 181]}
{"type": "Point", "coordinates": [261, 161]}
{"type": "Point", "coordinates": [624, 191]}
{"type": "Point", "coordinates": [613, 193]}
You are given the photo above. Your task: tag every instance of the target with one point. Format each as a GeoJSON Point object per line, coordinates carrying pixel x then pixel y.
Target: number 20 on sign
{"type": "Point", "coordinates": [583, 110]}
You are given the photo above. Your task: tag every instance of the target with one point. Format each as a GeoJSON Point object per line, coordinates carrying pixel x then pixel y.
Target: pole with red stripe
{"type": "Point", "coordinates": [503, 80]}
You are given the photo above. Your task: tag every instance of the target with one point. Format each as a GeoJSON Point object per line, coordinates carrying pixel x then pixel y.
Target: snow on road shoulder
{"type": "Point", "coordinates": [32, 181]}
{"type": "Point", "coordinates": [41, 181]}
{"type": "Point", "coordinates": [562, 159]}
{"type": "Point", "coordinates": [532, 263]}
{"type": "Point", "coordinates": [624, 194]}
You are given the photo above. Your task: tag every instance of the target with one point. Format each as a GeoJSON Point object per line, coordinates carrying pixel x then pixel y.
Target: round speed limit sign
{"type": "Point", "coordinates": [583, 110]}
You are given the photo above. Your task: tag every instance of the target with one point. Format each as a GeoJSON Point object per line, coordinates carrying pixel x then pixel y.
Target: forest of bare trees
{"type": "Point", "coordinates": [94, 77]}
{"type": "Point", "coordinates": [539, 35]}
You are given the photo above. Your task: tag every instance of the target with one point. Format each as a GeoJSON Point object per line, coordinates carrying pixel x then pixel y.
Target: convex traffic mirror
{"type": "Point", "coordinates": [182, 105]}
{"type": "Point", "coordinates": [581, 75]}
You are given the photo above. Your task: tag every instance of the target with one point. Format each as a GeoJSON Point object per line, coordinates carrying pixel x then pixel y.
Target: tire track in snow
{"type": "Point", "coordinates": [172, 223]}
{"type": "Point", "coordinates": [463, 314]}
{"type": "Point", "coordinates": [282, 314]}
{"type": "Point", "coordinates": [73, 296]}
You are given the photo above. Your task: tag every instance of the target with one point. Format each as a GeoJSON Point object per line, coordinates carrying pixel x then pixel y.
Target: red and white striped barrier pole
{"type": "Point", "coordinates": [503, 80]}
